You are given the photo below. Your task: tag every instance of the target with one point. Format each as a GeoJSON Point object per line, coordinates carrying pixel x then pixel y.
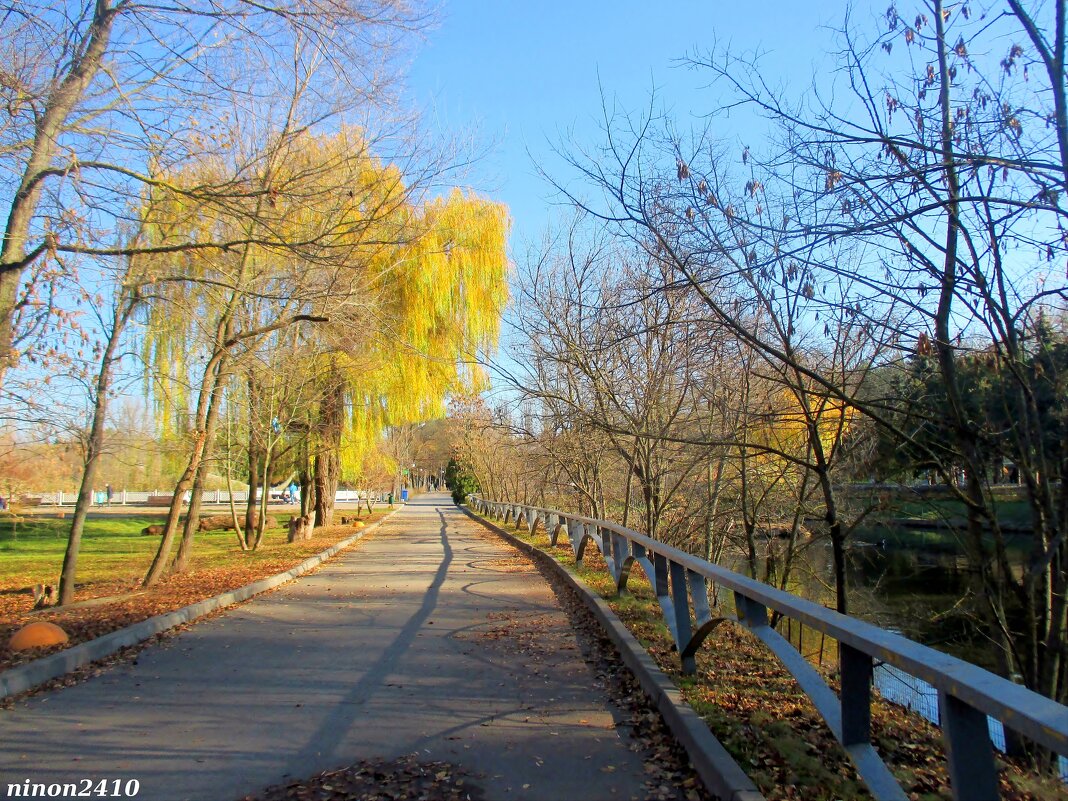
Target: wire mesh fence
{"type": "Point", "coordinates": [900, 688]}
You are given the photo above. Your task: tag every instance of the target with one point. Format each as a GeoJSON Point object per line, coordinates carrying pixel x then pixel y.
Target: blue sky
{"type": "Point", "coordinates": [523, 76]}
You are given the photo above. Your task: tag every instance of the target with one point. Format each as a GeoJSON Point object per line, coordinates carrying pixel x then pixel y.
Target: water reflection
{"type": "Point", "coordinates": [922, 593]}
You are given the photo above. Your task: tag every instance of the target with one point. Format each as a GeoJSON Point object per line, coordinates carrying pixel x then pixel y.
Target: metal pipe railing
{"type": "Point", "coordinates": [967, 694]}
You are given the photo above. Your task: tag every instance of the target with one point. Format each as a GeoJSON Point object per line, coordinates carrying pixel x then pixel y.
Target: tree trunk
{"type": "Point", "coordinates": [714, 482]}
{"type": "Point", "coordinates": [253, 489]}
{"type": "Point", "coordinates": [963, 430]}
{"type": "Point", "coordinates": [265, 497]}
{"type": "Point", "coordinates": [156, 571]}
{"type": "Point", "coordinates": [327, 459]}
{"type": "Point", "coordinates": [834, 521]}
{"type": "Point", "coordinates": [327, 470]}
{"type": "Point", "coordinates": [307, 486]}
{"type": "Point", "coordinates": [210, 384]}
{"type": "Point", "coordinates": [192, 517]}
{"type": "Point", "coordinates": [242, 541]}
{"type": "Point", "coordinates": [94, 447]}
{"type": "Point", "coordinates": [192, 520]}
{"type": "Point", "coordinates": [253, 456]}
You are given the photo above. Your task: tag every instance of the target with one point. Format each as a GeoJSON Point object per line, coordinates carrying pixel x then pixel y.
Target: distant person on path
{"type": "Point", "coordinates": [294, 492]}
{"type": "Point", "coordinates": [3, 504]}
{"type": "Point", "coordinates": [109, 492]}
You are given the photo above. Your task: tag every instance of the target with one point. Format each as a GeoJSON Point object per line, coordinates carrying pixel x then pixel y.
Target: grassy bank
{"type": "Point", "coordinates": [115, 557]}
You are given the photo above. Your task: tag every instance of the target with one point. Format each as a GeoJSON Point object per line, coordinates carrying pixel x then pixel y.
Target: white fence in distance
{"type": "Point", "coordinates": [141, 498]}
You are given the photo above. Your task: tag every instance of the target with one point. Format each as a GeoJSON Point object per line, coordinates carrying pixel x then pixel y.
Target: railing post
{"type": "Point", "coordinates": [752, 613]}
{"type": "Point", "coordinates": [610, 549]}
{"type": "Point", "coordinates": [972, 774]}
{"type": "Point", "coordinates": [699, 597]}
{"type": "Point", "coordinates": [577, 544]}
{"type": "Point", "coordinates": [663, 592]}
{"type": "Point", "coordinates": [680, 582]}
{"type": "Point", "coordinates": [621, 552]}
{"type": "Point", "coordinates": [684, 631]}
{"type": "Point", "coordinates": [856, 670]}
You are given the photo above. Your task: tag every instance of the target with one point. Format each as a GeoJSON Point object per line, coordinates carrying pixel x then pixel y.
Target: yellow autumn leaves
{"type": "Point", "coordinates": [781, 434]}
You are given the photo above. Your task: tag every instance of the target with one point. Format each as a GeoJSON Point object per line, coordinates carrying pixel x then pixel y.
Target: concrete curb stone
{"type": "Point", "coordinates": [721, 774]}
{"type": "Point", "coordinates": [25, 677]}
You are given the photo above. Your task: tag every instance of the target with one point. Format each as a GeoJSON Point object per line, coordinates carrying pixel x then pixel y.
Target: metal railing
{"type": "Point", "coordinates": [967, 694]}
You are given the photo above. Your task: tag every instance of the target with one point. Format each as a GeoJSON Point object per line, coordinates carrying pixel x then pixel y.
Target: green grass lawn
{"type": "Point", "coordinates": [114, 559]}
{"type": "Point", "coordinates": [1010, 511]}
{"type": "Point", "coordinates": [113, 548]}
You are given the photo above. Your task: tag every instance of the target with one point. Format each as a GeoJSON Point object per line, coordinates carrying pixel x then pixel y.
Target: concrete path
{"type": "Point", "coordinates": [431, 636]}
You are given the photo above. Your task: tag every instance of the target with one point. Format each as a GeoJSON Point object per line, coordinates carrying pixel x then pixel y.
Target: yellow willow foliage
{"type": "Point", "coordinates": [412, 291]}
{"type": "Point", "coordinates": [439, 304]}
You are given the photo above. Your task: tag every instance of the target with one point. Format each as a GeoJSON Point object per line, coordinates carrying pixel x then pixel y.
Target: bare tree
{"type": "Point", "coordinates": [918, 203]}
{"type": "Point", "coordinates": [100, 99]}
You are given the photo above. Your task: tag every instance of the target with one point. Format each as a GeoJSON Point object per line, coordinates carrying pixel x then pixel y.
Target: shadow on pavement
{"type": "Point", "coordinates": [334, 727]}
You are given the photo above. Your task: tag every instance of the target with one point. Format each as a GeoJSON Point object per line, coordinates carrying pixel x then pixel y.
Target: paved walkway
{"type": "Point", "coordinates": [431, 637]}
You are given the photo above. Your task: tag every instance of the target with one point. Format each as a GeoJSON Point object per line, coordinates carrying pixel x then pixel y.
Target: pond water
{"type": "Point", "coordinates": [918, 592]}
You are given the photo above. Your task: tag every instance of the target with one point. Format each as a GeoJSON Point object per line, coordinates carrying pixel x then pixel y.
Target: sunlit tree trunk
{"type": "Point", "coordinates": [192, 517]}
{"type": "Point", "coordinates": [210, 385]}
{"type": "Point", "coordinates": [254, 454]}
{"type": "Point", "coordinates": [238, 530]}
{"type": "Point", "coordinates": [93, 449]}
{"type": "Point", "coordinates": [327, 458]}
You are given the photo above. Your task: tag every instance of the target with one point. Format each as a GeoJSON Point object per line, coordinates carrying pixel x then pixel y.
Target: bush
{"type": "Point", "coordinates": [460, 480]}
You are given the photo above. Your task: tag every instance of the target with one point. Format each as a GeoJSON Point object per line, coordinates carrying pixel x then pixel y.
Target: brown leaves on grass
{"type": "Point", "coordinates": [104, 607]}
{"type": "Point", "coordinates": [755, 708]}
{"type": "Point", "coordinates": [404, 779]}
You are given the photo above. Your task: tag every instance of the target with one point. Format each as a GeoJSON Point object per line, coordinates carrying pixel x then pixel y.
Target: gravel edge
{"type": "Point", "coordinates": [721, 775]}
{"type": "Point", "coordinates": [17, 680]}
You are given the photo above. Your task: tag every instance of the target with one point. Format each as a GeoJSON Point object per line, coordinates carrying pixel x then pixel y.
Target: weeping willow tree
{"type": "Point", "coordinates": [400, 295]}
{"type": "Point", "coordinates": [437, 302]}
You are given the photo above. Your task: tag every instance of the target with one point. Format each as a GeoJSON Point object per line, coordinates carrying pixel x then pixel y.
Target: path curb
{"type": "Point", "coordinates": [25, 677]}
{"type": "Point", "coordinates": [721, 775]}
